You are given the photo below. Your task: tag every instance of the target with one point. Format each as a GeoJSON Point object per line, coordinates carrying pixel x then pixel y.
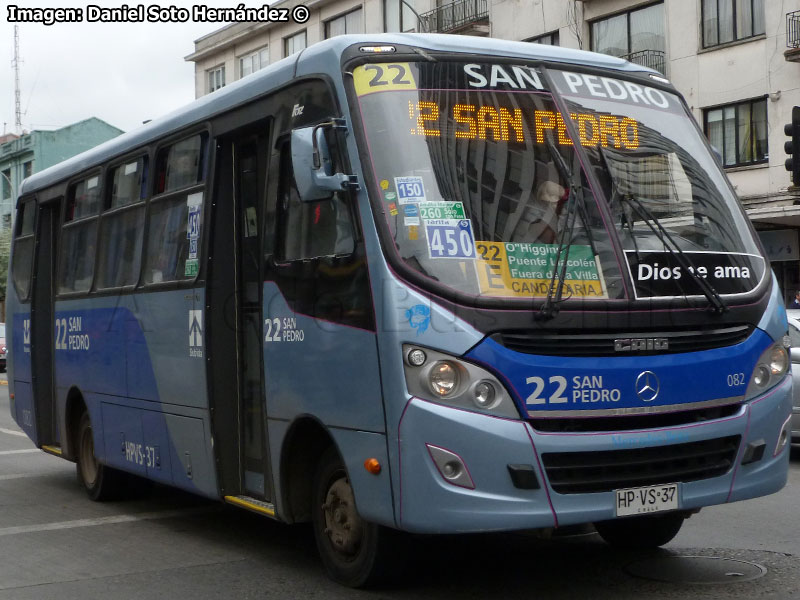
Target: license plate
{"type": "Point", "coordinates": [646, 500]}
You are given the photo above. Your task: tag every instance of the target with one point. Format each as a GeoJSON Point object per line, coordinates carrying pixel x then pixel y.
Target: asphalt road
{"type": "Point", "coordinates": [55, 543]}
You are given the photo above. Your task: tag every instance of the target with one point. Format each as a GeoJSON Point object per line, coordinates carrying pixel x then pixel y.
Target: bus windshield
{"type": "Point", "coordinates": [479, 178]}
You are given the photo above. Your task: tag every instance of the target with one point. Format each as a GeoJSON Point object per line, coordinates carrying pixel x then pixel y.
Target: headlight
{"type": "Point", "coordinates": [445, 379]}
{"type": "Point", "coordinates": [770, 369]}
{"type": "Point", "coordinates": [778, 360]}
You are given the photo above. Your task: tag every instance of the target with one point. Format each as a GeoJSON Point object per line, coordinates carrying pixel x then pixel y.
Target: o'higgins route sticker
{"type": "Point", "coordinates": [525, 270]}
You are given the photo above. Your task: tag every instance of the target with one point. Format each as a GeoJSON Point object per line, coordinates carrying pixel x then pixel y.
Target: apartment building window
{"type": "Point", "coordinates": [294, 43]}
{"type": "Point", "coordinates": [347, 23]}
{"type": "Point", "coordinates": [730, 20]}
{"type": "Point", "coordinates": [253, 62]}
{"type": "Point", "coordinates": [398, 16]}
{"type": "Point", "coordinates": [549, 39]}
{"type": "Point", "coordinates": [637, 35]}
{"type": "Point", "coordinates": [739, 132]}
{"type": "Point", "coordinates": [27, 169]}
{"type": "Point", "coordinates": [5, 184]}
{"type": "Point", "coordinates": [216, 78]}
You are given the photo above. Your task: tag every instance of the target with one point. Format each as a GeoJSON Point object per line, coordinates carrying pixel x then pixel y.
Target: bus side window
{"type": "Point", "coordinates": [23, 248]}
{"type": "Point", "coordinates": [180, 165]}
{"type": "Point", "coordinates": [79, 236]}
{"type": "Point", "coordinates": [122, 225]}
{"type": "Point", "coordinates": [311, 229]}
{"type": "Point", "coordinates": [175, 217]}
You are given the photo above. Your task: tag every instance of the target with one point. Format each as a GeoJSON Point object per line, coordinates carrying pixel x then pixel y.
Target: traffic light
{"type": "Point", "coordinates": [792, 146]}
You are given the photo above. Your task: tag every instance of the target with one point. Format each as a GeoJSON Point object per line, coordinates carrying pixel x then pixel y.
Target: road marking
{"type": "Point", "coordinates": [151, 516]}
{"type": "Point", "coordinates": [25, 451]}
{"type": "Point", "coordinates": [13, 432]}
{"type": "Point", "coordinates": [21, 476]}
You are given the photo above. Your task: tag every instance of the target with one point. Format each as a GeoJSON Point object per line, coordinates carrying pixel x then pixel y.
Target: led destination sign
{"type": "Point", "coordinates": [482, 122]}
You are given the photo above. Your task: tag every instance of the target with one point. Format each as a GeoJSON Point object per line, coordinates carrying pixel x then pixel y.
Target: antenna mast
{"type": "Point", "coordinates": [15, 64]}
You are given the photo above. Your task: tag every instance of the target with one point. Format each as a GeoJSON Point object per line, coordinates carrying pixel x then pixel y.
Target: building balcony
{"type": "Point", "coordinates": [792, 54]}
{"type": "Point", "coordinates": [467, 17]}
{"type": "Point", "coordinates": [655, 59]}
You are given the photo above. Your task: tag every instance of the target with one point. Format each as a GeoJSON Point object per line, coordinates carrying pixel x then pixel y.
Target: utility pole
{"type": "Point", "coordinates": [17, 103]}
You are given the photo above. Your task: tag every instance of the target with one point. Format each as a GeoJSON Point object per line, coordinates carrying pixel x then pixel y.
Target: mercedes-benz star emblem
{"type": "Point", "coordinates": [647, 386]}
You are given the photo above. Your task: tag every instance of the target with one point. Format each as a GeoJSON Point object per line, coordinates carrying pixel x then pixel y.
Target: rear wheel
{"type": "Point", "coordinates": [100, 482]}
{"type": "Point", "coordinates": [355, 552]}
{"type": "Point", "coordinates": [641, 533]}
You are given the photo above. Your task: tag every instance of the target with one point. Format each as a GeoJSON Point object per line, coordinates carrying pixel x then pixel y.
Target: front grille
{"type": "Point", "coordinates": [634, 422]}
{"type": "Point", "coordinates": [607, 470]}
{"type": "Point", "coordinates": [581, 343]}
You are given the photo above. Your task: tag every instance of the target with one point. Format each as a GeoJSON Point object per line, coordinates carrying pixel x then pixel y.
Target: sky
{"type": "Point", "coordinates": [123, 73]}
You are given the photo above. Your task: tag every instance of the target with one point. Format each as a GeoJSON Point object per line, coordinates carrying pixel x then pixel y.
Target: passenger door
{"type": "Point", "coordinates": [42, 315]}
{"type": "Point", "coordinates": [234, 321]}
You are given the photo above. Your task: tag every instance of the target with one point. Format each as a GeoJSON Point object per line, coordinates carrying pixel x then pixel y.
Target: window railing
{"type": "Point", "coordinates": [455, 15]}
{"type": "Point", "coordinates": [655, 59]}
{"type": "Point", "coordinates": [793, 29]}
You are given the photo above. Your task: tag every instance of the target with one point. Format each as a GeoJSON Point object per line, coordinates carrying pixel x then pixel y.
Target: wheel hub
{"type": "Point", "coordinates": [342, 524]}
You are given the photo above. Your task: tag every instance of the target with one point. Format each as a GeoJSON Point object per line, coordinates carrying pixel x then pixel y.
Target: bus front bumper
{"type": "Point", "coordinates": [482, 490]}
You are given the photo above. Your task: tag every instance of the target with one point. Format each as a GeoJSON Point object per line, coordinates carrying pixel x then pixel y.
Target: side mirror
{"type": "Point", "coordinates": [794, 354]}
{"type": "Point", "coordinates": [313, 166]}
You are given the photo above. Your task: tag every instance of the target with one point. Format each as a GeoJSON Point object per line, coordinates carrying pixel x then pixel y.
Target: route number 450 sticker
{"type": "Point", "coordinates": [450, 238]}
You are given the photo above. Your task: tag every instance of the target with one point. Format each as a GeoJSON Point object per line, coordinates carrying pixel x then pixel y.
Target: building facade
{"type": "Point", "coordinates": [735, 61]}
{"type": "Point", "coordinates": [21, 156]}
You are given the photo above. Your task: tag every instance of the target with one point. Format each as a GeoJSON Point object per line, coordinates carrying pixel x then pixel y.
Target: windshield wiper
{"type": "Point", "coordinates": [575, 197]}
{"type": "Point", "coordinates": [717, 303]}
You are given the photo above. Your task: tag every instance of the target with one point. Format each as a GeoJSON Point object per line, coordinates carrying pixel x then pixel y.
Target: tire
{"type": "Point", "coordinates": [641, 533]}
{"type": "Point", "coordinates": [101, 483]}
{"type": "Point", "coordinates": [355, 552]}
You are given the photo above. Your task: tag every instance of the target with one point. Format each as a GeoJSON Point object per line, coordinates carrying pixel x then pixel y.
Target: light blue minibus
{"type": "Point", "coordinates": [408, 283]}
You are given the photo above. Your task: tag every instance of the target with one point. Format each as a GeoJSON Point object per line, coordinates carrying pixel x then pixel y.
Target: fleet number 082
{"type": "Point", "coordinates": [736, 379]}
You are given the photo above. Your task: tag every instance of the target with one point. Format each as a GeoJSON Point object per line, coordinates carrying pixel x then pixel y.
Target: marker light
{"type": "Point", "coordinates": [484, 394]}
{"type": "Point", "coordinates": [417, 357]}
{"type": "Point", "coordinates": [444, 378]}
{"type": "Point", "coordinates": [658, 78]}
{"type": "Point", "coordinates": [372, 466]}
{"type": "Point", "coordinates": [377, 49]}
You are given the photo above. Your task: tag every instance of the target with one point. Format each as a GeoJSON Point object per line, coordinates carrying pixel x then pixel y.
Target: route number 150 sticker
{"type": "Point", "coordinates": [450, 238]}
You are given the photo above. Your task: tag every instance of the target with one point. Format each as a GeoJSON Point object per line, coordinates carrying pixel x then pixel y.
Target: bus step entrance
{"type": "Point", "coordinates": [53, 449]}
{"type": "Point", "coordinates": [252, 504]}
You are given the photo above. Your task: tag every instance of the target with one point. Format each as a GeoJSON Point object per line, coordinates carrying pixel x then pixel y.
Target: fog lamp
{"type": "Point", "coordinates": [484, 394]}
{"type": "Point", "coordinates": [761, 375]}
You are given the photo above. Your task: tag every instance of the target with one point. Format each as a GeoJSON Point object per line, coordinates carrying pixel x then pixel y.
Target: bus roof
{"type": "Point", "coordinates": [283, 71]}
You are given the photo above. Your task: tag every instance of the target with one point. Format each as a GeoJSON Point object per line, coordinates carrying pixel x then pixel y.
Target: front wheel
{"type": "Point", "coordinates": [100, 482]}
{"type": "Point", "coordinates": [355, 553]}
{"type": "Point", "coordinates": [641, 533]}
